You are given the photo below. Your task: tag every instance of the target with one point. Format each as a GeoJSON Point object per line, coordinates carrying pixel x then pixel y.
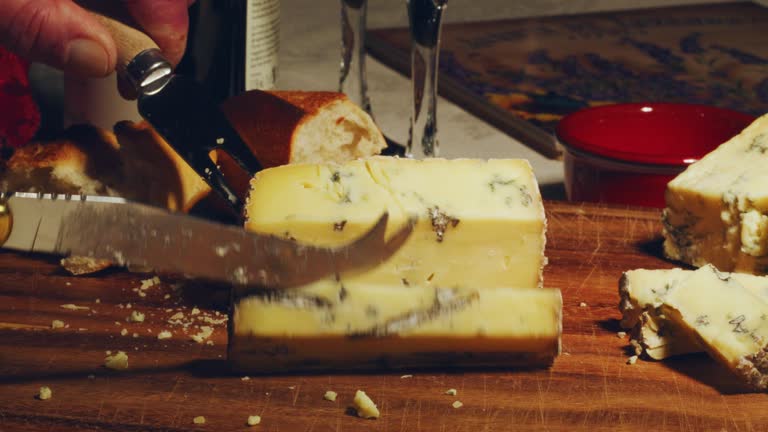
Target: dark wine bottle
{"type": "Point", "coordinates": [233, 45]}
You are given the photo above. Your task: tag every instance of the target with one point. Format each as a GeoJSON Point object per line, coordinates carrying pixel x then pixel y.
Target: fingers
{"type": "Point", "coordinates": [58, 33]}
{"type": "Point", "coordinates": [166, 21]}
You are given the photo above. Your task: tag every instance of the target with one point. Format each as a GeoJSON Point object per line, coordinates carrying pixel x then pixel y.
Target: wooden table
{"type": "Point", "coordinates": [169, 382]}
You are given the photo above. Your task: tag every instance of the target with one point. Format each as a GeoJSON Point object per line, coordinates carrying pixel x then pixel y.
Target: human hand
{"type": "Point", "coordinates": [62, 34]}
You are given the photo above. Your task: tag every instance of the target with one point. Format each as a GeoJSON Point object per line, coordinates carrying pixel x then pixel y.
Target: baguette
{"type": "Point", "coordinates": [132, 162]}
{"type": "Point", "coordinates": [283, 127]}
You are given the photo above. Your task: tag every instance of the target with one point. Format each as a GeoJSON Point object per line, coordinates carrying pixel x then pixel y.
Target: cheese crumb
{"type": "Point", "coordinates": [195, 311]}
{"type": "Point", "coordinates": [136, 316]}
{"type": "Point", "coordinates": [406, 376]}
{"type": "Point", "coordinates": [205, 333]}
{"type": "Point", "coordinates": [118, 361]}
{"type": "Point", "coordinates": [632, 360]}
{"type": "Point", "coordinates": [254, 420]}
{"type": "Point", "coordinates": [177, 316]}
{"type": "Point", "coordinates": [245, 378]}
{"type": "Point", "coordinates": [165, 334]}
{"type": "Point", "coordinates": [451, 392]}
{"type": "Point", "coordinates": [135, 335]}
{"type": "Point", "coordinates": [45, 393]}
{"type": "Point", "coordinates": [621, 334]}
{"type": "Point", "coordinates": [57, 324]}
{"type": "Point", "coordinates": [128, 306]}
{"type": "Point", "coordinates": [330, 395]}
{"type": "Point", "coordinates": [582, 304]}
{"type": "Point", "coordinates": [73, 307]}
{"type": "Point", "coordinates": [364, 406]}
{"type": "Point", "coordinates": [123, 332]}
{"type": "Point", "coordinates": [198, 420]}
{"type": "Point", "coordinates": [457, 404]}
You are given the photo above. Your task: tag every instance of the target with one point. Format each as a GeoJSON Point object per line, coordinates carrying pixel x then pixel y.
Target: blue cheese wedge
{"type": "Point", "coordinates": [644, 292]}
{"type": "Point", "coordinates": [477, 220]}
{"type": "Point", "coordinates": [729, 320]}
{"type": "Point", "coordinates": [717, 209]}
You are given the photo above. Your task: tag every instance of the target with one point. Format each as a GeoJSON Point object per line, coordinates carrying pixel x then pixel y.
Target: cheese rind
{"type": "Point", "coordinates": [361, 325]}
{"type": "Point", "coordinates": [476, 220]}
{"type": "Point", "coordinates": [729, 320]}
{"type": "Point", "coordinates": [644, 292]}
{"type": "Point", "coordinates": [717, 209]}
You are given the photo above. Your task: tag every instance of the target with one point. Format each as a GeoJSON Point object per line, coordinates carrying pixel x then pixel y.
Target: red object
{"type": "Point", "coordinates": [627, 153]}
{"type": "Point", "coordinates": [19, 114]}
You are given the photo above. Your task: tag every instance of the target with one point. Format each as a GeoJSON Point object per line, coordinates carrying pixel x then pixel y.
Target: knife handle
{"type": "Point", "coordinates": [130, 41]}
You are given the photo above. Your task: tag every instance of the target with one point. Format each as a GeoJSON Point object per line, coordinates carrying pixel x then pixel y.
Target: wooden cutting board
{"type": "Point", "coordinates": [169, 382]}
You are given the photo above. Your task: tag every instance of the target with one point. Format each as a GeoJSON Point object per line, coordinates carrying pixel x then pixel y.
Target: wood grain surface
{"type": "Point", "coordinates": [169, 382]}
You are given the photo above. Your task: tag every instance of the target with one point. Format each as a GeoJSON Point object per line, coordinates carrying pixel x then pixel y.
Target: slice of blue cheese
{"type": "Point", "coordinates": [717, 209]}
{"type": "Point", "coordinates": [363, 325]}
{"type": "Point", "coordinates": [643, 292]}
{"type": "Point", "coordinates": [729, 320]}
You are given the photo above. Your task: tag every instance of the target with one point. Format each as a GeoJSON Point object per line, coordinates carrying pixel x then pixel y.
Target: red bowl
{"type": "Point", "coordinates": [627, 153]}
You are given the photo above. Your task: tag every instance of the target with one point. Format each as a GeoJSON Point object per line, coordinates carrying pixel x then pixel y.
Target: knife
{"type": "Point", "coordinates": [179, 109]}
{"type": "Point", "coordinates": [135, 234]}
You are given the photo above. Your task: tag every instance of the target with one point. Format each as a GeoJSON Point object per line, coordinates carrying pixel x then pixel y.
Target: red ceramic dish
{"type": "Point", "coordinates": [627, 153]}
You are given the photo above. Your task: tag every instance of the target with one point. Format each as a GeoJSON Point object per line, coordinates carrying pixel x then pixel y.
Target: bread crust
{"type": "Point", "coordinates": [268, 121]}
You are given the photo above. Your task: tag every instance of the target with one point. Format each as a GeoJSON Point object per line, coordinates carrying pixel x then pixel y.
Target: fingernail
{"type": "Point", "coordinates": [86, 57]}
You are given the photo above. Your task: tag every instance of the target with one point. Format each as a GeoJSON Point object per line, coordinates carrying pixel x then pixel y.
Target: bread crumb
{"type": "Point", "coordinates": [136, 316]}
{"type": "Point", "coordinates": [123, 332]}
{"type": "Point", "coordinates": [195, 311]}
{"type": "Point", "coordinates": [330, 395]}
{"type": "Point", "coordinates": [198, 420]}
{"type": "Point", "coordinates": [177, 316]}
{"type": "Point", "coordinates": [73, 307]}
{"type": "Point", "coordinates": [128, 306]}
{"type": "Point", "coordinates": [135, 335]}
{"type": "Point", "coordinates": [621, 334]}
{"type": "Point", "coordinates": [166, 297]}
{"type": "Point", "coordinates": [406, 376]}
{"type": "Point", "coordinates": [451, 392]}
{"type": "Point", "coordinates": [364, 406]}
{"type": "Point", "coordinates": [205, 333]}
{"type": "Point", "coordinates": [632, 360]}
{"type": "Point", "coordinates": [254, 420]}
{"type": "Point", "coordinates": [209, 342]}
{"type": "Point", "coordinates": [582, 304]}
{"type": "Point", "coordinates": [245, 378]}
{"type": "Point", "coordinates": [636, 346]}
{"type": "Point", "coordinates": [98, 300]}
{"type": "Point", "coordinates": [118, 361]}
{"type": "Point", "coordinates": [45, 393]}
{"type": "Point", "coordinates": [457, 404]}
{"type": "Point", "coordinates": [57, 324]}
{"type": "Point", "coordinates": [165, 334]}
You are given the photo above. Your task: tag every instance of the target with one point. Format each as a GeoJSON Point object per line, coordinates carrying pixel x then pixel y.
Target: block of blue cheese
{"type": "Point", "coordinates": [330, 325]}
{"type": "Point", "coordinates": [717, 209]}
{"type": "Point", "coordinates": [465, 288]}
{"type": "Point", "coordinates": [477, 221]}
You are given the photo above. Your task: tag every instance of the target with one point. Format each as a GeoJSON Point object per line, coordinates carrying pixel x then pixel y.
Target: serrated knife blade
{"type": "Point", "coordinates": [131, 234]}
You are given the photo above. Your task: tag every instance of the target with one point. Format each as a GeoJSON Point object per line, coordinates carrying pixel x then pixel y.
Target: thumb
{"type": "Point", "coordinates": [58, 33]}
